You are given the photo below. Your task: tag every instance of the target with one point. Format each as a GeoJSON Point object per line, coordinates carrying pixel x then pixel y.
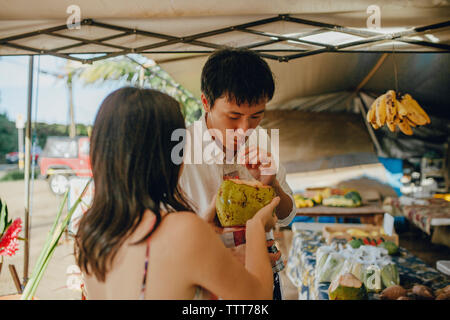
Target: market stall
{"type": "Point", "coordinates": [325, 56]}
{"type": "Point", "coordinates": [431, 215]}
{"type": "Point", "coordinates": [302, 267]}
{"type": "Point", "coordinates": [367, 213]}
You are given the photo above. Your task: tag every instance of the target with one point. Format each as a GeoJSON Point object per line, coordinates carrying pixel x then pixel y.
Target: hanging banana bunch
{"type": "Point", "coordinates": [397, 110]}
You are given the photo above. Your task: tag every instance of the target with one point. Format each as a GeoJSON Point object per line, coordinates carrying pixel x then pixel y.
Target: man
{"type": "Point", "coordinates": [236, 85]}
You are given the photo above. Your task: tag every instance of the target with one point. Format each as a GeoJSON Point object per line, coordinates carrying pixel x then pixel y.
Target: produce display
{"type": "Point", "coordinates": [370, 265]}
{"type": "Point", "coordinates": [364, 235]}
{"type": "Point", "coordinates": [416, 292]}
{"type": "Point", "coordinates": [394, 109]}
{"type": "Point", "coordinates": [356, 271]}
{"type": "Point", "coordinates": [302, 202]}
{"type": "Point", "coordinates": [238, 201]}
{"type": "Point", "coordinates": [347, 287]}
{"type": "Point", "coordinates": [328, 197]}
{"type": "Point", "coordinates": [350, 199]}
{"type": "Point", "coordinates": [390, 246]}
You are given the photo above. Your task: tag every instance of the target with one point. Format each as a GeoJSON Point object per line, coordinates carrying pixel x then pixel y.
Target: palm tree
{"type": "Point", "coordinates": [142, 72]}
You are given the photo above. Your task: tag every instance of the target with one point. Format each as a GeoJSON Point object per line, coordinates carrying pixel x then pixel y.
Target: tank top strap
{"type": "Point", "coordinates": [147, 255]}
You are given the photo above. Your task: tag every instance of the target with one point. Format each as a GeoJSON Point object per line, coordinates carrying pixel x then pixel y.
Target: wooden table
{"type": "Point", "coordinates": [369, 214]}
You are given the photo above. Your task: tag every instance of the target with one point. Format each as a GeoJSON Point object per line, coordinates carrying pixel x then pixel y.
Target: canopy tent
{"type": "Point", "coordinates": [331, 38]}
{"type": "Point", "coordinates": [319, 51]}
{"type": "Point", "coordinates": [279, 30]}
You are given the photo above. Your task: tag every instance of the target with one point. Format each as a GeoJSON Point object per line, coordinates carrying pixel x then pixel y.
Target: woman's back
{"type": "Point", "coordinates": [164, 277]}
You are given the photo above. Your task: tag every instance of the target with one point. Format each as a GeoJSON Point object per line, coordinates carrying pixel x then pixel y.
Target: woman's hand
{"type": "Point", "coordinates": [267, 214]}
{"type": "Point", "coordinates": [210, 216]}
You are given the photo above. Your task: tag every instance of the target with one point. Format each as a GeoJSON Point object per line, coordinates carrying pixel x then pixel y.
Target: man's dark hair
{"type": "Point", "coordinates": [239, 74]}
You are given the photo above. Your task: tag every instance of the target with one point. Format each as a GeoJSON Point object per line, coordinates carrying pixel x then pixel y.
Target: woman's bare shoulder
{"type": "Point", "coordinates": [187, 228]}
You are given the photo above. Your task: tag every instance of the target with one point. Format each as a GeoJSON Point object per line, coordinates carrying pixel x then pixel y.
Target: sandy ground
{"type": "Point", "coordinates": [54, 281]}
{"type": "Point", "coordinates": [44, 210]}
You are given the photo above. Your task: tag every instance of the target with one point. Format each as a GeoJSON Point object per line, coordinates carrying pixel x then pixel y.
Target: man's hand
{"type": "Point", "coordinates": [259, 163]}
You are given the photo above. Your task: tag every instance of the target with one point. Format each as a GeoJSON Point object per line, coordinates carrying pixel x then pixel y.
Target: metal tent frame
{"type": "Point", "coordinates": [367, 37]}
{"type": "Point", "coordinates": [161, 47]}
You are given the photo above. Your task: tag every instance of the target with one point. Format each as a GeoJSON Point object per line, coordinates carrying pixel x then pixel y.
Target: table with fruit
{"type": "Point", "coordinates": [359, 268]}
{"type": "Point", "coordinates": [335, 202]}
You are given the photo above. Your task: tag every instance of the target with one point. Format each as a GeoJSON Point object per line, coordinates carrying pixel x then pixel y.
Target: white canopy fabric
{"type": "Point", "coordinates": [179, 35]}
{"type": "Point", "coordinates": [109, 26]}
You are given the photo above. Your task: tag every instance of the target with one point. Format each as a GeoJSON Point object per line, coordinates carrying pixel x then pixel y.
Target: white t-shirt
{"type": "Point", "coordinates": [201, 181]}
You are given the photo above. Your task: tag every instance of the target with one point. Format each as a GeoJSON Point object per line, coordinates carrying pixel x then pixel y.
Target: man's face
{"type": "Point", "coordinates": [227, 114]}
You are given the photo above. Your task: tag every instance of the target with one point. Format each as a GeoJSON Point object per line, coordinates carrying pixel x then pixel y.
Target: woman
{"type": "Point", "coordinates": [140, 238]}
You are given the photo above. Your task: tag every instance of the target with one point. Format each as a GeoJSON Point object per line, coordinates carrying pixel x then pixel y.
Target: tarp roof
{"type": "Point", "coordinates": [282, 29]}
{"type": "Point", "coordinates": [322, 72]}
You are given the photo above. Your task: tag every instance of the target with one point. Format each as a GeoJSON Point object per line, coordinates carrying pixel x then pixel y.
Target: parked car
{"type": "Point", "coordinates": [64, 157]}
{"type": "Point", "coordinates": [13, 157]}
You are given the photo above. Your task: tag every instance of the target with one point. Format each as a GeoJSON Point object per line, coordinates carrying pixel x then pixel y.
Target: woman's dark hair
{"type": "Point", "coordinates": [239, 74]}
{"type": "Point", "coordinates": [131, 163]}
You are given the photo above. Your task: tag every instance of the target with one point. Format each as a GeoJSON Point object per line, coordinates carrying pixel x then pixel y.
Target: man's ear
{"type": "Point", "coordinates": [205, 103]}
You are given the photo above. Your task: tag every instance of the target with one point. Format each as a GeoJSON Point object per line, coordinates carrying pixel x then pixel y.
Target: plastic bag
{"type": "Point", "coordinates": [346, 268]}
{"type": "Point", "coordinates": [331, 267]}
{"type": "Point", "coordinates": [389, 275]}
{"type": "Point", "coordinates": [372, 278]}
{"type": "Point", "coordinates": [321, 256]}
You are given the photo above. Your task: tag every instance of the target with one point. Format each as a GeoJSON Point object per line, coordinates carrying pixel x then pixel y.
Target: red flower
{"type": "Point", "coordinates": [9, 242]}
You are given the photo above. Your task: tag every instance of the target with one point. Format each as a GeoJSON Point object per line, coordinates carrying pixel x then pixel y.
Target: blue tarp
{"type": "Point", "coordinates": [394, 172]}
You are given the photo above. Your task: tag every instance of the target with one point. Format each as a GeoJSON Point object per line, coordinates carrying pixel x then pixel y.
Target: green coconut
{"type": "Point", "coordinates": [239, 200]}
{"type": "Point", "coordinates": [390, 246]}
{"type": "Point", "coordinates": [389, 275]}
{"type": "Point", "coordinates": [347, 287]}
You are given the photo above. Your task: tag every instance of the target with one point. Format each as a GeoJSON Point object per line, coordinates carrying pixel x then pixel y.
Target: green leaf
{"type": "Point", "coordinates": [49, 248]}
{"type": "Point", "coordinates": [4, 223]}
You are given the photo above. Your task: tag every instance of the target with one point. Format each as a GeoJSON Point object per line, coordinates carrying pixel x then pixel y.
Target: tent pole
{"type": "Point", "coordinates": [27, 171]}
{"type": "Point", "coordinates": [372, 72]}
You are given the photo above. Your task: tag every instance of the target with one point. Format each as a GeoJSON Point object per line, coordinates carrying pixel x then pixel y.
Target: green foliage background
{"type": "Point", "coordinates": [137, 70]}
{"type": "Point", "coordinates": [134, 70]}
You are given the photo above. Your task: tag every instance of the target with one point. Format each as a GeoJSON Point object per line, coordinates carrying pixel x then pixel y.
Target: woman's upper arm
{"type": "Point", "coordinates": [214, 268]}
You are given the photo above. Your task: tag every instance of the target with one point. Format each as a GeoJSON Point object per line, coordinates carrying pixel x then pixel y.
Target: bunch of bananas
{"type": "Point", "coordinates": [396, 110]}
{"type": "Point", "coordinates": [301, 202]}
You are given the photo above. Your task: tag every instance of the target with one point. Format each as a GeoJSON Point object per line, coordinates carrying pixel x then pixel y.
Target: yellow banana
{"type": "Point", "coordinates": [405, 127]}
{"type": "Point", "coordinates": [371, 118]}
{"type": "Point", "coordinates": [380, 111]}
{"type": "Point", "coordinates": [375, 126]}
{"type": "Point", "coordinates": [396, 119]}
{"type": "Point", "coordinates": [391, 126]}
{"type": "Point", "coordinates": [413, 112]}
{"type": "Point", "coordinates": [391, 107]}
{"type": "Point", "coordinates": [419, 109]}
{"type": "Point", "coordinates": [369, 115]}
{"type": "Point", "coordinates": [402, 111]}
{"type": "Point", "coordinates": [374, 103]}
{"type": "Point", "coordinates": [410, 122]}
